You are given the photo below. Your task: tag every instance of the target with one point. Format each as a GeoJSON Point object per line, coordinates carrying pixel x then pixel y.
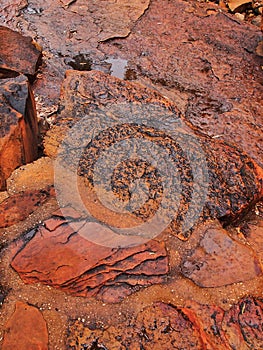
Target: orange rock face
{"type": "Point", "coordinates": [25, 329]}
{"type": "Point", "coordinates": [18, 126]}
{"type": "Point", "coordinates": [59, 256]}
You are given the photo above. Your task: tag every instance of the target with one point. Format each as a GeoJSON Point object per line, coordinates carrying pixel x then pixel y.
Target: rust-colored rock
{"type": "Point", "coordinates": [18, 207]}
{"type": "Point", "coordinates": [60, 256]}
{"type": "Point", "coordinates": [18, 126]}
{"type": "Point", "coordinates": [26, 329]}
{"type": "Point", "coordinates": [18, 54]}
{"type": "Point", "coordinates": [228, 178]}
{"type": "Point", "coordinates": [208, 320]}
{"type": "Point", "coordinates": [219, 255]}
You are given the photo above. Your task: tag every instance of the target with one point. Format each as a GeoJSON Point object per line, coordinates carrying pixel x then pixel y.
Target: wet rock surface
{"type": "Point", "coordinates": [18, 126]}
{"type": "Point", "coordinates": [202, 291]}
{"type": "Point", "coordinates": [27, 328]}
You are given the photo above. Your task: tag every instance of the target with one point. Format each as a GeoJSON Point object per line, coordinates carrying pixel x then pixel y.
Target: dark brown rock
{"type": "Point", "coordinates": [60, 256]}
{"type": "Point", "coordinates": [18, 207]}
{"type": "Point", "coordinates": [219, 255]}
{"type": "Point", "coordinates": [226, 176]}
{"type": "Point", "coordinates": [18, 54]}
{"type": "Point", "coordinates": [26, 329]}
{"type": "Point", "coordinates": [18, 126]}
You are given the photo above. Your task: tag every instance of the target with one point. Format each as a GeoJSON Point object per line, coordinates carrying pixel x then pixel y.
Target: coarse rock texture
{"type": "Point", "coordinates": [234, 182]}
{"type": "Point", "coordinates": [165, 326]}
{"type": "Point", "coordinates": [59, 255]}
{"type": "Point", "coordinates": [18, 126]}
{"type": "Point", "coordinates": [219, 255]}
{"type": "Point", "coordinates": [18, 54]}
{"type": "Point", "coordinates": [26, 329]}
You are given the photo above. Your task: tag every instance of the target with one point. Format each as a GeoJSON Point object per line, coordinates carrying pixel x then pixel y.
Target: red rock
{"type": "Point", "coordinates": [219, 255]}
{"type": "Point", "coordinates": [18, 54]}
{"type": "Point", "coordinates": [17, 208]}
{"type": "Point", "coordinates": [26, 329]}
{"type": "Point", "coordinates": [59, 256]}
{"type": "Point", "coordinates": [18, 126]}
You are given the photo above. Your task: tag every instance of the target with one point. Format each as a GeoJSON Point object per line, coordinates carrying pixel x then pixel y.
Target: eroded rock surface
{"type": "Point", "coordinates": [233, 180]}
{"type": "Point", "coordinates": [25, 329]}
{"type": "Point", "coordinates": [219, 255]}
{"type": "Point", "coordinates": [60, 256]}
{"type": "Point", "coordinates": [18, 126]}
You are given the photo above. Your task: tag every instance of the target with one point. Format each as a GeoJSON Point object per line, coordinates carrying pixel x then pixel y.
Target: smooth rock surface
{"type": "Point", "coordinates": [219, 255]}
{"type": "Point", "coordinates": [27, 328]}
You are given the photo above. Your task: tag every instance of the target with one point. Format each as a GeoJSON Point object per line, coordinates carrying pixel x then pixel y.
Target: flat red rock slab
{"type": "Point", "coordinates": [219, 255]}
{"type": "Point", "coordinates": [26, 329]}
{"type": "Point", "coordinates": [60, 256]}
{"type": "Point", "coordinates": [17, 207]}
{"type": "Point", "coordinates": [19, 55]}
{"type": "Point", "coordinates": [18, 126]}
